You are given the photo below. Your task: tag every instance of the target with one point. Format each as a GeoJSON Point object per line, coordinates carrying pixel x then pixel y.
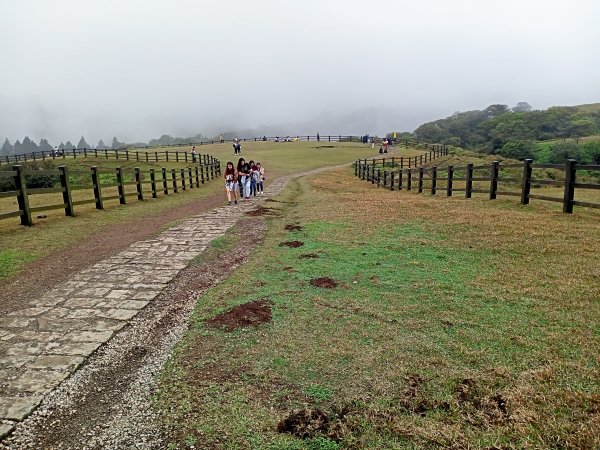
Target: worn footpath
{"type": "Point", "coordinates": [45, 341]}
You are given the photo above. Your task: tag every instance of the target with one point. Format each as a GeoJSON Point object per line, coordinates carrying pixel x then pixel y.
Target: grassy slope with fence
{"type": "Point", "coordinates": [19, 245]}
{"type": "Point", "coordinates": [455, 324]}
{"type": "Point", "coordinates": [467, 174]}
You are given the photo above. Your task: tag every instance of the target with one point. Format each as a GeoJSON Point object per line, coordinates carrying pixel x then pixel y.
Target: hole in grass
{"type": "Point", "coordinates": [292, 244]}
{"type": "Point", "coordinates": [247, 315]}
{"type": "Point", "coordinates": [324, 282]}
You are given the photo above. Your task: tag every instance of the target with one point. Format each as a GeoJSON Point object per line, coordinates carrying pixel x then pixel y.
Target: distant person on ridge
{"type": "Point", "coordinates": [318, 137]}
{"type": "Point", "coordinates": [237, 148]}
{"type": "Point", "coordinates": [194, 154]}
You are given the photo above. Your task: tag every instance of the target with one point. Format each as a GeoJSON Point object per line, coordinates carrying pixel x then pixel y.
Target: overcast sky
{"type": "Point", "coordinates": [139, 69]}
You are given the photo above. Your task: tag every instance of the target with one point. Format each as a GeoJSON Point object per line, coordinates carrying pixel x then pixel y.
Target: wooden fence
{"type": "Point", "coordinates": [148, 155]}
{"type": "Point", "coordinates": [482, 179]}
{"type": "Point", "coordinates": [151, 182]}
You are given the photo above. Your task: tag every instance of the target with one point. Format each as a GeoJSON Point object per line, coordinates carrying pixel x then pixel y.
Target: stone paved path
{"type": "Point", "coordinates": [45, 341]}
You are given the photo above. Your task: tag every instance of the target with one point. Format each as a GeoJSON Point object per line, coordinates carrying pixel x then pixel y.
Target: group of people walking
{"type": "Point", "coordinates": [246, 179]}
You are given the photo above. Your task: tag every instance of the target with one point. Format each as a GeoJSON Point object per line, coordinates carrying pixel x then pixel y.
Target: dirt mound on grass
{"type": "Point", "coordinates": [261, 211]}
{"type": "Point", "coordinates": [324, 282]}
{"type": "Point", "coordinates": [309, 256]}
{"type": "Point", "coordinates": [247, 315]}
{"type": "Point", "coordinates": [293, 227]}
{"type": "Point", "coordinates": [305, 423]}
{"type": "Point", "coordinates": [292, 244]}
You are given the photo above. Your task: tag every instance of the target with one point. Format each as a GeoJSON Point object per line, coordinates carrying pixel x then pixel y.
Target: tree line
{"type": "Point", "coordinates": [27, 145]}
{"type": "Point", "coordinates": [550, 135]}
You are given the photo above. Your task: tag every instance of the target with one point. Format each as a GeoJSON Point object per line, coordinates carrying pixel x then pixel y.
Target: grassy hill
{"type": "Point", "coordinates": [396, 320]}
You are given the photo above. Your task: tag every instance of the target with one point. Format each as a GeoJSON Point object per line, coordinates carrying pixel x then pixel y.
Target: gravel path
{"type": "Point", "coordinates": [106, 402]}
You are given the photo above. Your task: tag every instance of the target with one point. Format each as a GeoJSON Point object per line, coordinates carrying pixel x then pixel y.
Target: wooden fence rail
{"type": "Point", "coordinates": [191, 177]}
{"type": "Point", "coordinates": [374, 170]}
{"type": "Point", "coordinates": [164, 154]}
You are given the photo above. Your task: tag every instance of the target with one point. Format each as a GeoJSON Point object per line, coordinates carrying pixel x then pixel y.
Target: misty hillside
{"type": "Point", "coordinates": [520, 132]}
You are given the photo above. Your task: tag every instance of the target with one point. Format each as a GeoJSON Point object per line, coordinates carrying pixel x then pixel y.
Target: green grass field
{"type": "Point", "coordinates": [20, 245]}
{"type": "Point", "coordinates": [454, 324]}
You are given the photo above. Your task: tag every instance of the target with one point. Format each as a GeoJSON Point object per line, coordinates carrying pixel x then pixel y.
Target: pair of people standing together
{"type": "Point", "coordinates": [248, 177]}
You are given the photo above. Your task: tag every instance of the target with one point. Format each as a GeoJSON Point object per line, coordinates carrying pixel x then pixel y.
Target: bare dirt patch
{"type": "Point", "coordinates": [324, 282]}
{"type": "Point", "coordinates": [292, 244]}
{"type": "Point", "coordinates": [293, 227]}
{"type": "Point", "coordinates": [305, 423]}
{"type": "Point", "coordinates": [309, 256]}
{"type": "Point", "coordinates": [247, 315]}
{"type": "Point", "coordinates": [261, 211]}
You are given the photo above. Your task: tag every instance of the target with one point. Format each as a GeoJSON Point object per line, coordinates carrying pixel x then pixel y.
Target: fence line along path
{"type": "Point", "coordinates": [148, 184]}
{"type": "Point", "coordinates": [45, 341]}
{"type": "Point", "coordinates": [493, 180]}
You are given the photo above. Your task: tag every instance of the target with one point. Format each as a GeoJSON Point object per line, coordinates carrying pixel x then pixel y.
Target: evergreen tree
{"type": "Point", "coordinates": [17, 147]}
{"type": "Point", "coordinates": [7, 148]}
{"type": "Point", "coordinates": [61, 146]}
{"type": "Point", "coordinates": [28, 146]}
{"type": "Point", "coordinates": [44, 145]}
{"type": "Point", "coordinates": [69, 146]}
{"type": "Point", "coordinates": [101, 145]}
{"type": "Point", "coordinates": [82, 143]}
{"type": "Point", "coordinates": [116, 144]}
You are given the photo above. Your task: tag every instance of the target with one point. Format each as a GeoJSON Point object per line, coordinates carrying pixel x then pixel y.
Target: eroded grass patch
{"type": "Point", "coordinates": [452, 326]}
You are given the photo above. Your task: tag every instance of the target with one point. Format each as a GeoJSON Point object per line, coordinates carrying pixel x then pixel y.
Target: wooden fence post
{"type": "Point", "coordinates": [469, 181]}
{"type": "Point", "coordinates": [378, 177]}
{"type": "Point", "coordinates": [127, 154]}
{"type": "Point", "coordinates": [570, 176]}
{"type": "Point", "coordinates": [22, 198]}
{"type": "Point", "coordinates": [385, 178]}
{"type": "Point", "coordinates": [138, 184]}
{"type": "Point", "coordinates": [202, 173]}
{"type": "Point", "coordinates": [167, 153]}
{"type": "Point", "coordinates": [449, 181]}
{"type": "Point", "coordinates": [156, 156]}
{"type": "Point", "coordinates": [165, 181]}
{"type": "Point", "coordinates": [494, 180]}
{"type": "Point", "coordinates": [174, 180]}
{"type": "Point", "coordinates": [153, 183]}
{"type": "Point", "coordinates": [97, 188]}
{"type": "Point", "coordinates": [176, 155]}
{"type": "Point", "coordinates": [391, 181]}
{"type": "Point", "coordinates": [401, 161]}
{"type": "Point", "coordinates": [409, 180]}
{"type": "Point", "coordinates": [121, 186]}
{"type": "Point", "coordinates": [66, 186]}
{"type": "Point", "coordinates": [526, 182]}
{"type": "Point", "coordinates": [420, 183]}
{"type": "Point", "coordinates": [183, 185]}
{"type": "Point", "coordinates": [197, 176]}
{"type": "Point", "coordinates": [191, 178]}
{"type": "Point", "coordinates": [433, 180]}
{"type": "Point", "coordinates": [400, 176]}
